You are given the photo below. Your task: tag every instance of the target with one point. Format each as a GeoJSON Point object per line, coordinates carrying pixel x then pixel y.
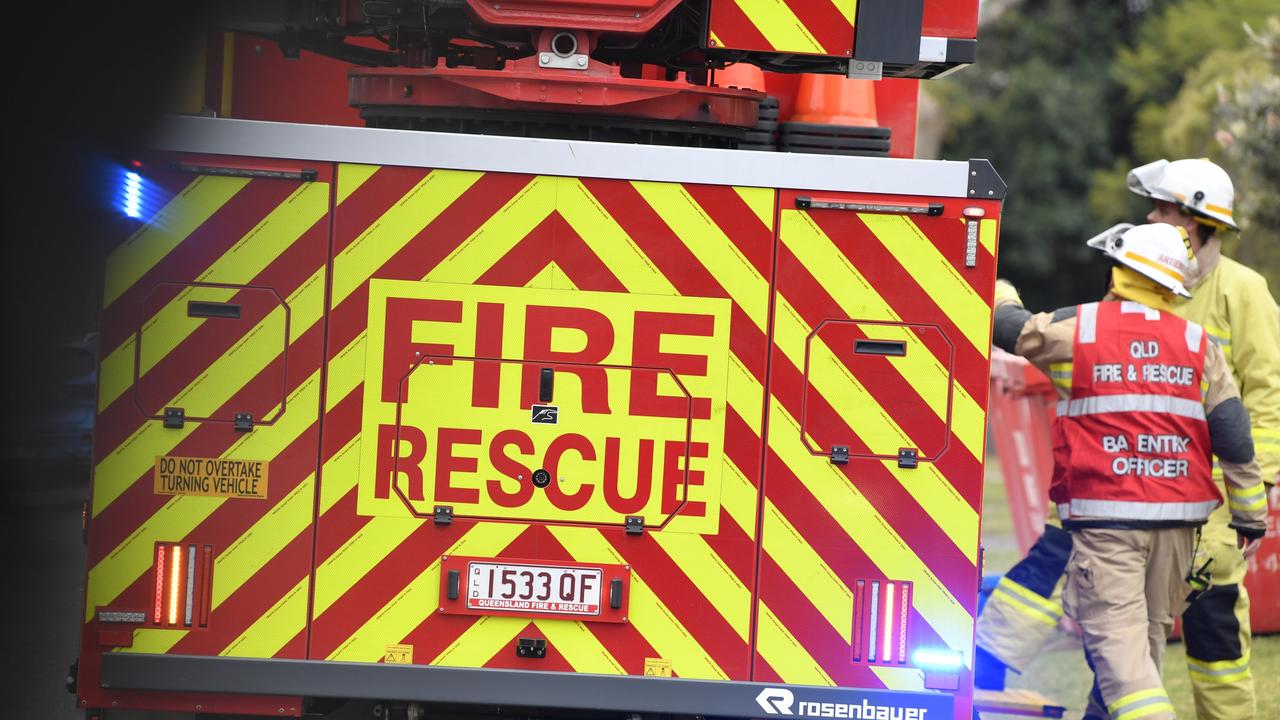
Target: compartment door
{"type": "Point", "coordinates": [200, 528]}
{"type": "Point", "coordinates": [874, 471]}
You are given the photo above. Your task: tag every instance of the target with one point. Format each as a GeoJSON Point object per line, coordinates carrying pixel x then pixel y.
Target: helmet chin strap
{"type": "Point", "coordinates": [1131, 285]}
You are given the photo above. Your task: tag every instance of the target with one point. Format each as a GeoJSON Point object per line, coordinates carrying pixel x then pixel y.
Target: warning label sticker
{"type": "Point", "coordinates": [398, 654]}
{"type": "Point", "coordinates": [211, 477]}
{"type": "Point", "coordinates": [657, 667]}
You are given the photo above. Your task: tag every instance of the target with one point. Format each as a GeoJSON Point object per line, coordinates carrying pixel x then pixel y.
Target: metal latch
{"type": "Point", "coordinates": [615, 593]}
{"type": "Point", "coordinates": [635, 525]}
{"type": "Point", "coordinates": [531, 648]}
{"type": "Point", "coordinates": [840, 455]}
{"type": "Point", "coordinates": [454, 586]}
{"type": "Point", "coordinates": [244, 422]}
{"type": "Point", "coordinates": [174, 418]}
{"type": "Point", "coordinates": [908, 457]}
{"type": "Point", "coordinates": [443, 514]}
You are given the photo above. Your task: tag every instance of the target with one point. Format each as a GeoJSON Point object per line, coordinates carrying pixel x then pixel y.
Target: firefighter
{"type": "Point", "coordinates": [1149, 401]}
{"type": "Point", "coordinates": [1023, 611]}
{"type": "Point", "coordinates": [1197, 195]}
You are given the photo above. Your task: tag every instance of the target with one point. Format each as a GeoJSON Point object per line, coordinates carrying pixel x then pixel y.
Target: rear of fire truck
{"type": "Point", "coordinates": [555, 390]}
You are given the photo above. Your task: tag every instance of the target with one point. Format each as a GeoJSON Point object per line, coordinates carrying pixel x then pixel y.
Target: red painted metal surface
{"type": "Point", "coordinates": [613, 16]}
{"type": "Point", "coordinates": [523, 86]}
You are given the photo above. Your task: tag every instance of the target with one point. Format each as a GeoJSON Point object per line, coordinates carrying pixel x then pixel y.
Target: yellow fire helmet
{"type": "Point", "coordinates": [1196, 185]}
{"type": "Point", "coordinates": [1158, 252]}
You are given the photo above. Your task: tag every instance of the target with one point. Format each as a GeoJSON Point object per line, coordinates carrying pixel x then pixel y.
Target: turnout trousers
{"type": "Point", "coordinates": [1123, 588]}
{"type": "Point", "coordinates": [1216, 628]}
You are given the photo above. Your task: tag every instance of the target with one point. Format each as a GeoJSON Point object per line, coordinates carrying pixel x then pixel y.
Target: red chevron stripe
{"type": "Point", "coordinates": [909, 299]}
{"type": "Point", "coordinates": [422, 253]}
{"type": "Point", "coordinates": [192, 357]}
{"type": "Point", "coordinates": [139, 502]}
{"type": "Point", "coordinates": [208, 242]}
{"type": "Point", "coordinates": [888, 388]}
{"type": "Point", "coordinates": [792, 606]}
{"type": "Point", "coordinates": [735, 29]}
{"type": "Point", "coordinates": [885, 493]}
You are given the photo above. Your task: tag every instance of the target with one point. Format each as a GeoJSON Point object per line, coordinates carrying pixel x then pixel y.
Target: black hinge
{"type": "Point", "coordinates": [443, 514]}
{"type": "Point", "coordinates": [244, 422]}
{"type": "Point", "coordinates": [840, 455]}
{"type": "Point", "coordinates": [635, 525]}
{"type": "Point", "coordinates": [908, 457]}
{"type": "Point", "coordinates": [531, 648]}
{"type": "Point", "coordinates": [174, 418]}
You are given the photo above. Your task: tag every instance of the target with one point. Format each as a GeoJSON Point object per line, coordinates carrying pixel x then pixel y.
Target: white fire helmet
{"type": "Point", "coordinates": [1158, 251]}
{"type": "Point", "coordinates": [1196, 185]}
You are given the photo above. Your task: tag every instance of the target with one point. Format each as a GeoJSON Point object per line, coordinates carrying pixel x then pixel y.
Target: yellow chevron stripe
{"type": "Point", "coordinates": [396, 227]}
{"type": "Point", "coordinates": [761, 201]}
{"type": "Point", "coordinates": [252, 254]}
{"type": "Point", "coordinates": [987, 235]}
{"type": "Point", "coordinates": [420, 598]}
{"type": "Point", "coordinates": [499, 234]}
{"type": "Point", "coordinates": [479, 643]}
{"type": "Point", "coordinates": [711, 246]}
{"type": "Point", "coordinates": [859, 299]}
{"type": "Point", "coordinates": [606, 238]}
{"type": "Point", "coordinates": [877, 429]}
{"type": "Point", "coordinates": [277, 626]}
{"type": "Point", "coordinates": [128, 561]}
{"type": "Point", "coordinates": [849, 9]}
{"type": "Point", "coordinates": [340, 474]}
{"type": "Point", "coordinates": [346, 371]}
{"type": "Point", "coordinates": [187, 211]}
{"type": "Point", "coordinates": [351, 177]}
{"type": "Point", "coordinates": [779, 26]}
{"type": "Point", "coordinates": [870, 531]}
{"type": "Point", "coordinates": [242, 560]}
{"type": "Point", "coordinates": [785, 654]}
{"type": "Point", "coordinates": [580, 647]}
{"type": "Point", "coordinates": [223, 378]}
{"type": "Point", "coordinates": [714, 579]}
{"type": "Point", "coordinates": [357, 556]}
{"type": "Point", "coordinates": [937, 277]}
{"type": "Point", "coordinates": [900, 678]}
{"type": "Point", "coordinates": [738, 497]}
{"type": "Point", "coordinates": [648, 615]}
{"type": "Point", "coordinates": [816, 580]}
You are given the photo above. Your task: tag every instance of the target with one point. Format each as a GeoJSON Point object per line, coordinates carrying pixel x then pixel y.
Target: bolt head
{"type": "Point", "coordinates": [582, 62]}
{"type": "Point", "coordinates": [544, 58]}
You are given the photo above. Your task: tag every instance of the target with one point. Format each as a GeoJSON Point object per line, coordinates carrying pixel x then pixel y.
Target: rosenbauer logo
{"type": "Point", "coordinates": [780, 701]}
{"type": "Point", "coordinates": [456, 409]}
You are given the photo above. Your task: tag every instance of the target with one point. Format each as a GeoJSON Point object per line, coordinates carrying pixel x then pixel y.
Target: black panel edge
{"type": "Point", "coordinates": [962, 51]}
{"type": "Point", "coordinates": [515, 688]}
{"type": "Point", "coordinates": [984, 182]}
{"type": "Point", "coordinates": [889, 31]}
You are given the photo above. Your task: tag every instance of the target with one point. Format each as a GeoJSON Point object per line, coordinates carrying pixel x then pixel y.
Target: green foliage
{"type": "Point", "coordinates": [1067, 97]}
{"type": "Point", "coordinates": [1042, 107]}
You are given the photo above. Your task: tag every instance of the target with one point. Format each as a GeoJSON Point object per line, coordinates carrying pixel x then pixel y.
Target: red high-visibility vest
{"type": "Point", "coordinates": [1131, 443]}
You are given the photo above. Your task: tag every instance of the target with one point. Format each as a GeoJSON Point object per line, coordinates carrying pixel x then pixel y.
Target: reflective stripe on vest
{"type": "Point", "coordinates": [1100, 404]}
{"type": "Point", "coordinates": [1128, 510]}
{"type": "Point", "coordinates": [1131, 441]}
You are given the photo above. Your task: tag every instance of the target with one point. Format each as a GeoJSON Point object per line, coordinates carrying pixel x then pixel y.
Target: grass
{"type": "Point", "coordinates": [1060, 672]}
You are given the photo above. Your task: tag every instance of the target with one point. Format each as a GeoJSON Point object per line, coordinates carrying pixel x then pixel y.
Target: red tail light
{"type": "Point", "coordinates": [881, 621]}
{"type": "Point", "coordinates": [183, 583]}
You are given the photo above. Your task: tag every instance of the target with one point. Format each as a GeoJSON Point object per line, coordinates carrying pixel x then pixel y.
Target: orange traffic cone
{"type": "Point", "coordinates": [741, 75]}
{"type": "Point", "coordinates": [835, 100]}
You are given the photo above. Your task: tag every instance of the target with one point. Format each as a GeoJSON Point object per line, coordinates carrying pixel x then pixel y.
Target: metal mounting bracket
{"type": "Point", "coordinates": [840, 455]}
{"type": "Point", "coordinates": [635, 525]}
{"type": "Point", "coordinates": [244, 422]}
{"type": "Point", "coordinates": [174, 418]}
{"type": "Point", "coordinates": [443, 514]}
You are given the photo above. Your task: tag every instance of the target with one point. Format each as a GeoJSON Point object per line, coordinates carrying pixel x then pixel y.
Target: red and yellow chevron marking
{"type": "Point", "coordinates": [762, 589]}
{"type": "Point", "coordinates": [261, 244]}
{"type": "Point", "coordinates": [377, 578]}
{"type": "Point", "coordinates": [813, 27]}
{"type": "Point", "coordinates": [882, 277]}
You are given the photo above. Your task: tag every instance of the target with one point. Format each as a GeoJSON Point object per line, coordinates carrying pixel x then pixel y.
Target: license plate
{"type": "Point", "coordinates": [537, 589]}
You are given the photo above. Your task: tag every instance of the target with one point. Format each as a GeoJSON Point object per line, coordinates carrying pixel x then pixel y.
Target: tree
{"type": "Point", "coordinates": [1043, 105]}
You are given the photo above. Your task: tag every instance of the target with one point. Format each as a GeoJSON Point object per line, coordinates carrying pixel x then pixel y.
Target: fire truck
{"type": "Point", "coordinates": [571, 378]}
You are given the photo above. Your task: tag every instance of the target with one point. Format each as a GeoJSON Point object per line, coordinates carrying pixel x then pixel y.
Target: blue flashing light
{"type": "Point", "coordinates": [132, 195]}
{"type": "Point", "coordinates": [937, 659]}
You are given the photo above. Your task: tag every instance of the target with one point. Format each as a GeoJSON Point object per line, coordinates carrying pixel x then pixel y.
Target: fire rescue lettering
{"type": "Point", "coordinates": [1183, 375]}
{"type": "Point", "coordinates": [639, 382]}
